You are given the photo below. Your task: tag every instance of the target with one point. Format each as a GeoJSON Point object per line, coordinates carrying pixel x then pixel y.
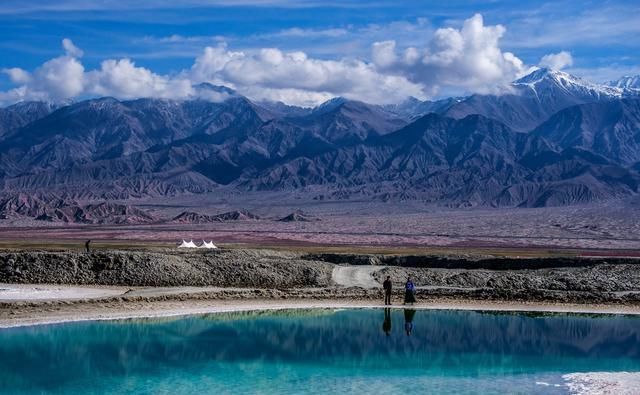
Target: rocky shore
{"type": "Point", "coordinates": [222, 268]}
{"type": "Point", "coordinates": [254, 273]}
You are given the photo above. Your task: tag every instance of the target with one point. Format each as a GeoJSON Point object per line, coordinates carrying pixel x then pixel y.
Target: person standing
{"type": "Point", "coordinates": [387, 291]}
{"type": "Point", "coordinates": [86, 246]}
{"type": "Point", "coordinates": [409, 292]}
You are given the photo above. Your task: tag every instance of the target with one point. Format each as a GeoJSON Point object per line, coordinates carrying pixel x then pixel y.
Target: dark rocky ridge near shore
{"type": "Point", "coordinates": [223, 268]}
{"type": "Point", "coordinates": [277, 274]}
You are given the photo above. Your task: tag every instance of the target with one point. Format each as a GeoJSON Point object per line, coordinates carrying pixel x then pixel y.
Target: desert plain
{"type": "Point", "coordinates": [573, 259]}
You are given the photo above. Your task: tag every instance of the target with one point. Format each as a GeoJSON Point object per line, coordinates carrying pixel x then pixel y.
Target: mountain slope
{"type": "Point", "coordinates": [106, 128]}
{"type": "Point", "coordinates": [430, 143]}
{"type": "Point", "coordinates": [27, 207]}
{"type": "Point", "coordinates": [610, 129]}
{"type": "Point", "coordinates": [106, 149]}
{"type": "Point", "coordinates": [472, 161]}
{"type": "Point", "coordinates": [626, 82]}
{"type": "Point", "coordinates": [341, 121]}
{"type": "Point", "coordinates": [22, 114]}
{"type": "Point", "coordinates": [534, 98]}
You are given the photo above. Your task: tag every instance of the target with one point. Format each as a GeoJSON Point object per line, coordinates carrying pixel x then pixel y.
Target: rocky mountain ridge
{"type": "Point", "coordinates": [553, 139]}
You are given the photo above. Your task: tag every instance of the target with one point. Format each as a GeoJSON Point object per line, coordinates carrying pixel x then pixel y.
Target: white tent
{"type": "Point", "coordinates": [208, 245]}
{"type": "Point", "coordinates": [190, 244]}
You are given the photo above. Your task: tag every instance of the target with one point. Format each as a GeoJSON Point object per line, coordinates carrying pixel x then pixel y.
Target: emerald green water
{"type": "Point", "coordinates": [318, 351]}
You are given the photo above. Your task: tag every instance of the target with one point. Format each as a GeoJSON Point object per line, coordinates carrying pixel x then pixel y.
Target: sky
{"type": "Point", "coordinates": [308, 51]}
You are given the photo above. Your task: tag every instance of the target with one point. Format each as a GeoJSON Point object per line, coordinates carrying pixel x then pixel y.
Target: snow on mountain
{"type": "Point", "coordinates": [536, 97]}
{"type": "Point", "coordinates": [545, 79]}
{"type": "Point", "coordinates": [467, 151]}
{"type": "Point", "coordinates": [626, 82]}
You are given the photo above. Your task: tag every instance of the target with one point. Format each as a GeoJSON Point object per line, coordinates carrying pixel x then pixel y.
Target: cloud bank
{"type": "Point", "coordinates": [468, 59]}
{"type": "Point", "coordinates": [294, 77]}
{"type": "Point", "coordinates": [557, 61]}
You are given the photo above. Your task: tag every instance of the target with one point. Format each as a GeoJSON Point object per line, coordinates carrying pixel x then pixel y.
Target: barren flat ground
{"type": "Point", "coordinates": [560, 258]}
{"type": "Point", "coordinates": [613, 228]}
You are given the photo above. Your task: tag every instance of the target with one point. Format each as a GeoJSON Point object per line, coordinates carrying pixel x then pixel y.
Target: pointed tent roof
{"type": "Point", "coordinates": [209, 245]}
{"type": "Point", "coordinates": [189, 244]}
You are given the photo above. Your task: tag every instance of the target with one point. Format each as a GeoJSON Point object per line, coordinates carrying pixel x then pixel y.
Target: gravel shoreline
{"type": "Point", "coordinates": [55, 313]}
{"type": "Point", "coordinates": [45, 286]}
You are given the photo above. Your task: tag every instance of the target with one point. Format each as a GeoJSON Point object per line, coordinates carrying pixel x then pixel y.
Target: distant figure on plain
{"type": "Point", "coordinates": [387, 291]}
{"type": "Point", "coordinates": [386, 325]}
{"type": "Point", "coordinates": [409, 292]}
{"type": "Point", "coordinates": [408, 320]}
{"type": "Point", "coordinates": [86, 246]}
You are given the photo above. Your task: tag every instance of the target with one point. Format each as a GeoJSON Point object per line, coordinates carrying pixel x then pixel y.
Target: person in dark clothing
{"type": "Point", "coordinates": [408, 320]}
{"type": "Point", "coordinates": [409, 292]}
{"type": "Point", "coordinates": [387, 291]}
{"type": "Point", "coordinates": [386, 325]}
{"type": "Point", "coordinates": [86, 246]}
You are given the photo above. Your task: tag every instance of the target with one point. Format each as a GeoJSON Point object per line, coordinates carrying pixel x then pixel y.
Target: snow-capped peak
{"type": "Point", "coordinates": [544, 73]}
{"type": "Point", "coordinates": [556, 76]}
{"type": "Point", "coordinates": [544, 77]}
{"type": "Point", "coordinates": [626, 82]}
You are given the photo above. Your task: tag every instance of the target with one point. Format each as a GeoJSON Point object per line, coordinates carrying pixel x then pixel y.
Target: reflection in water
{"type": "Point", "coordinates": [408, 320]}
{"type": "Point", "coordinates": [280, 346]}
{"type": "Point", "coordinates": [386, 325]}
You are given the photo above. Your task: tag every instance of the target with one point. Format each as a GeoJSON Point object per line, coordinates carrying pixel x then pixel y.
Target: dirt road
{"type": "Point", "coordinates": [356, 276]}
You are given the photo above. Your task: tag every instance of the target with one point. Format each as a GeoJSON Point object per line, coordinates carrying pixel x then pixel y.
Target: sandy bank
{"type": "Point", "coordinates": [110, 309]}
{"type": "Point", "coordinates": [37, 292]}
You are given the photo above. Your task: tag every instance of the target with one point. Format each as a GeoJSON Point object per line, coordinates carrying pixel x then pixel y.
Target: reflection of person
{"type": "Point", "coordinates": [387, 290]}
{"type": "Point", "coordinates": [386, 325]}
{"type": "Point", "coordinates": [86, 246]}
{"type": "Point", "coordinates": [409, 292]}
{"type": "Point", "coordinates": [408, 320]}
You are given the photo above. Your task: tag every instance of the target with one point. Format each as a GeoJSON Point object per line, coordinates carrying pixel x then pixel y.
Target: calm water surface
{"type": "Point", "coordinates": [318, 351]}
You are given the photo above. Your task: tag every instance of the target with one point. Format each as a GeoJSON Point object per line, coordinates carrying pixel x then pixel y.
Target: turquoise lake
{"type": "Point", "coordinates": [318, 351]}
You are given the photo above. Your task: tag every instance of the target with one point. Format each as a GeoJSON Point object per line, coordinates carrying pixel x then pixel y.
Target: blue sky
{"type": "Point", "coordinates": [164, 38]}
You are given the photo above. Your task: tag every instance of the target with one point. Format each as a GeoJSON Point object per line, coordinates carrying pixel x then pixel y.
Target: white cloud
{"type": "Point", "coordinates": [12, 96]}
{"type": "Point", "coordinates": [65, 78]}
{"type": "Point", "coordinates": [465, 59]}
{"type": "Point", "coordinates": [296, 78]}
{"type": "Point", "coordinates": [57, 79]}
{"type": "Point", "coordinates": [123, 79]}
{"type": "Point", "coordinates": [557, 61]}
{"type": "Point", "coordinates": [61, 78]}
{"type": "Point", "coordinates": [307, 33]}
{"type": "Point", "coordinates": [270, 73]}
{"type": "Point", "coordinates": [468, 58]}
{"type": "Point", "coordinates": [17, 75]}
{"type": "Point", "coordinates": [179, 39]}
{"type": "Point", "coordinates": [71, 49]}
{"type": "Point", "coordinates": [384, 53]}
{"type": "Point", "coordinates": [300, 97]}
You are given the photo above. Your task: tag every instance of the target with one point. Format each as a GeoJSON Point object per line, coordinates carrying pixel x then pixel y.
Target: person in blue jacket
{"type": "Point", "coordinates": [409, 292]}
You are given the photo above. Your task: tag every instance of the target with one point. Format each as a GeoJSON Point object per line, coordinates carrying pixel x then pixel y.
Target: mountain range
{"type": "Point", "coordinates": [549, 139]}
